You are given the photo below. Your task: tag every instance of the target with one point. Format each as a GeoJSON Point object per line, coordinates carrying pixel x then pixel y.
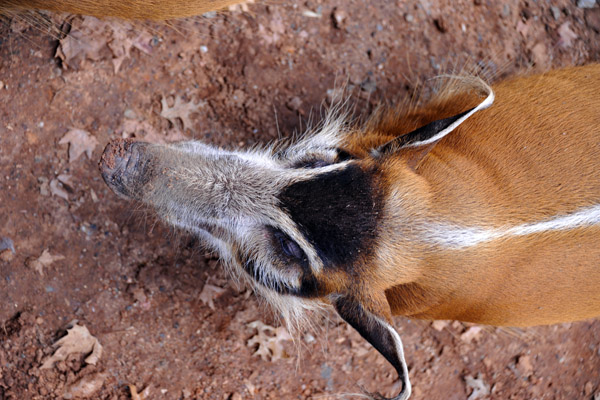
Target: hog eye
{"type": "Point", "coordinates": [288, 246]}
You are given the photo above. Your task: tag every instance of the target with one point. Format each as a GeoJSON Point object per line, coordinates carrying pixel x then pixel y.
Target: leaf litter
{"type": "Point", "coordinates": [85, 387]}
{"type": "Point", "coordinates": [79, 142]}
{"type": "Point", "coordinates": [60, 186]}
{"type": "Point", "coordinates": [93, 39]}
{"type": "Point", "coordinates": [209, 294]}
{"type": "Point", "coordinates": [77, 340]}
{"type": "Point", "coordinates": [268, 341]}
{"type": "Point", "coordinates": [44, 261]}
{"type": "Point", "coordinates": [180, 110]}
{"type": "Point", "coordinates": [480, 388]}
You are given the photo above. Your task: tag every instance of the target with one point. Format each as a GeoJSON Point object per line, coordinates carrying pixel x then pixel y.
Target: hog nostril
{"type": "Point", "coordinates": [125, 167]}
{"type": "Point", "coordinates": [116, 157]}
{"type": "Point", "coordinates": [120, 166]}
{"type": "Point", "coordinates": [108, 161]}
{"type": "Point", "coordinates": [133, 158]}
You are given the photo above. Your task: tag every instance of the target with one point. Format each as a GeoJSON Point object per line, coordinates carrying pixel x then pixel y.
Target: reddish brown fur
{"type": "Point", "coordinates": [126, 9]}
{"type": "Point", "coordinates": [533, 155]}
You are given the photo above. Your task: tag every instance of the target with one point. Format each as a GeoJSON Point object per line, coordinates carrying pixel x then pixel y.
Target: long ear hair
{"type": "Point", "coordinates": [427, 135]}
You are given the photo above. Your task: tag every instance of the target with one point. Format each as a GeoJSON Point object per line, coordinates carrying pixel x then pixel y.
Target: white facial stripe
{"type": "Point", "coordinates": [489, 100]}
{"type": "Point", "coordinates": [457, 237]}
{"type": "Point", "coordinates": [308, 173]}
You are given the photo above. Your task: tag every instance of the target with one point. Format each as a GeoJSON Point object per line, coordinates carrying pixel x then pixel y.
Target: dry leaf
{"type": "Point", "coordinates": [66, 180]}
{"type": "Point", "coordinates": [120, 46]}
{"type": "Point", "coordinates": [134, 393]}
{"type": "Point", "coordinates": [124, 37]}
{"type": "Point", "coordinates": [57, 186]}
{"type": "Point", "coordinates": [480, 388]}
{"type": "Point", "coordinates": [86, 40]}
{"type": "Point", "coordinates": [269, 341]}
{"type": "Point", "coordinates": [94, 39]}
{"type": "Point", "coordinates": [85, 387]}
{"type": "Point", "coordinates": [250, 387]}
{"type": "Point", "coordinates": [209, 294]}
{"type": "Point", "coordinates": [57, 190]}
{"type": "Point", "coordinates": [143, 395]}
{"type": "Point", "coordinates": [80, 142]}
{"type": "Point", "coordinates": [43, 261]}
{"type": "Point", "coordinates": [180, 110]}
{"type": "Point", "coordinates": [77, 340]}
{"type": "Point", "coordinates": [566, 35]}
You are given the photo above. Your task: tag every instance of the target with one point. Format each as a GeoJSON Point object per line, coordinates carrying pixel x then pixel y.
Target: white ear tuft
{"type": "Point", "coordinates": [433, 131]}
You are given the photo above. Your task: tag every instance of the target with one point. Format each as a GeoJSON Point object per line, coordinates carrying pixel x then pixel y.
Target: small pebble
{"type": "Point", "coordinates": [506, 11]}
{"type": "Point", "coordinates": [7, 244]}
{"type": "Point", "coordinates": [308, 338]}
{"type": "Point", "coordinates": [588, 388]}
{"type": "Point", "coordinates": [409, 18]}
{"type": "Point", "coordinates": [1, 85]}
{"type": "Point", "coordinates": [294, 103]}
{"type": "Point", "coordinates": [339, 18]}
{"type": "Point", "coordinates": [586, 3]}
{"type": "Point", "coordinates": [130, 114]}
{"type": "Point", "coordinates": [555, 12]}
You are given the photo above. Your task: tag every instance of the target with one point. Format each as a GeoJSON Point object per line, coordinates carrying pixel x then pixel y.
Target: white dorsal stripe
{"type": "Point", "coordinates": [458, 237]}
{"type": "Point", "coordinates": [489, 100]}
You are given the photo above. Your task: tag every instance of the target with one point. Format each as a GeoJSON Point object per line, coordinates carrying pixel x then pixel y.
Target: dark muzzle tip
{"type": "Point", "coordinates": [115, 154]}
{"type": "Point", "coordinates": [119, 165]}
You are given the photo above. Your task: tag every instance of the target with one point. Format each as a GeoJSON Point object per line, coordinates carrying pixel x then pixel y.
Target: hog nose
{"type": "Point", "coordinates": [122, 166]}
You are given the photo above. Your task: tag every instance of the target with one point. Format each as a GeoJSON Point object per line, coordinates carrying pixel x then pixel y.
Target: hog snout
{"type": "Point", "coordinates": [124, 167]}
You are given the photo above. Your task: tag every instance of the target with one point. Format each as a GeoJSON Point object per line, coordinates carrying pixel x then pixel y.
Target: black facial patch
{"type": "Point", "coordinates": [336, 211]}
{"type": "Point", "coordinates": [343, 155]}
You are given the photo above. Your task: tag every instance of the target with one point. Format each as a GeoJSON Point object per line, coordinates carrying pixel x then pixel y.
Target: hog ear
{"type": "Point", "coordinates": [420, 141]}
{"type": "Point", "coordinates": [374, 324]}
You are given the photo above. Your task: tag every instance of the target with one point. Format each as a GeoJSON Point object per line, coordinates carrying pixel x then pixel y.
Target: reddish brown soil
{"type": "Point", "coordinates": [136, 285]}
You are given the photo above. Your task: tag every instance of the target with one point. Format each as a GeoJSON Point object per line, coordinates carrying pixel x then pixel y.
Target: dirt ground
{"type": "Point", "coordinates": [170, 322]}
